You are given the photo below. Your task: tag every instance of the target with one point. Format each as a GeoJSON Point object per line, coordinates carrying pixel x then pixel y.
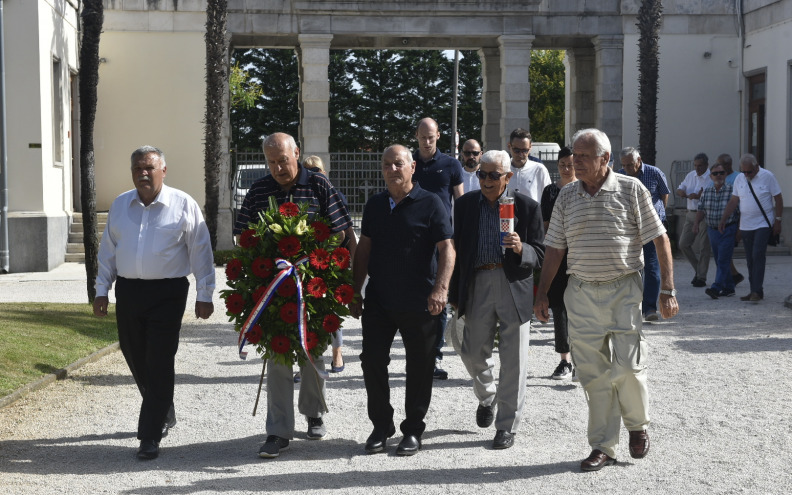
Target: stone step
{"type": "Point", "coordinates": [75, 247]}
{"type": "Point", "coordinates": [739, 251]}
{"type": "Point", "coordinates": [78, 227]}
{"type": "Point", "coordinates": [75, 258]}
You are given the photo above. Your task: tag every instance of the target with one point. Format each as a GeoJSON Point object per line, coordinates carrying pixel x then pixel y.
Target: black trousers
{"type": "Point", "coordinates": [149, 315]}
{"type": "Point", "coordinates": [418, 332]}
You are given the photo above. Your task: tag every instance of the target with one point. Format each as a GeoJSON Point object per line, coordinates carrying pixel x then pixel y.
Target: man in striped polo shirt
{"type": "Point", "coordinates": [604, 219]}
{"type": "Point", "coordinates": [290, 181]}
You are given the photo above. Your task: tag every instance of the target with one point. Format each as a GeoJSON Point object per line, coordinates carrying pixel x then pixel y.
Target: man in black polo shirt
{"type": "Point", "coordinates": [441, 174]}
{"type": "Point", "coordinates": [289, 181]}
{"type": "Point", "coordinates": [403, 229]}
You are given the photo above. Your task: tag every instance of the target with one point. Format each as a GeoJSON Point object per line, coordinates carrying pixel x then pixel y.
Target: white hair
{"type": "Point", "coordinates": [499, 158]}
{"type": "Point", "coordinates": [601, 141]}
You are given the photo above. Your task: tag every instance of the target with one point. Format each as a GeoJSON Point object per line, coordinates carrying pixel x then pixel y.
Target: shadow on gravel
{"type": "Point", "coordinates": [730, 345]}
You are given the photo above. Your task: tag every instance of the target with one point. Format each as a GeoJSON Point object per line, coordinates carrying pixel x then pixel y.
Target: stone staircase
{"type": "Point", "coordinates": [75, 250]}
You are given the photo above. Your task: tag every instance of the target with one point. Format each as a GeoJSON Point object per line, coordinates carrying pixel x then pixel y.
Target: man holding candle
{"type": "Point", "coordinates": [493, 282]}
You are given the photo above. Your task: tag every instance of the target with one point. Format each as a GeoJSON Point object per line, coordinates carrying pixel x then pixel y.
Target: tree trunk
{"type": "Point", "coordinates": [92, 19]}
{"type": "Point", "coordinates": [649, 18]}
{"type": "Point", "coordinates": [216, 73]}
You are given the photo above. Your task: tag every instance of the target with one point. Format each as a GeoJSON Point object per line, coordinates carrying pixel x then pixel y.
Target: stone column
{"type": "Point", "coordinates": [580, 91]}
{"type": "Point", "coordinates": [515, 89]}
{"type": "Point", "coordinates": [490, 99]}
{"type": "Point", "coordinates": [609, 63]}
{"type": "Point", "coordinates": [313, 54]}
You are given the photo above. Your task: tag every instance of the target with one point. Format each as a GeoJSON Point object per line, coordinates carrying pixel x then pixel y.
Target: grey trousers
{"type": "Point", "coordinates": [695, 247]}
{"type": "Point", "coordinates": [280, 397]}
{"type": "Point", "coordinates": [489, 302]}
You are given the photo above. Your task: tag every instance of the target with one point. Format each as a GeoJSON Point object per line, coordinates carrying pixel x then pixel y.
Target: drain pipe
{"type": "Point", "coordinates": [4, 251]}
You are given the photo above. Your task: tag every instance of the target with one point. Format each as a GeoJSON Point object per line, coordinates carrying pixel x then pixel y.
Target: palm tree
{"type": "Point", "coordinates": [649, 18]}
{"type": "Point", "coordinates": [92, 19]}
{"type": "Point", "coordinates": [216, 73]}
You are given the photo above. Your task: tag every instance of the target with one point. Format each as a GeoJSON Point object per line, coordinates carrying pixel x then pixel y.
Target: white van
{"type": "Point", "coordinates": [545, 151]}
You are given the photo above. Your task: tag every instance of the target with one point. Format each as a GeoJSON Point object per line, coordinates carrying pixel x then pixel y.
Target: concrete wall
{"type": "Point", "coordinates": [151, 91]}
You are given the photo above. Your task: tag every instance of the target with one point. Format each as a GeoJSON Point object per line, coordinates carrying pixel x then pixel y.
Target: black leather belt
{"type": "Point", "coordinates": [489, 266]}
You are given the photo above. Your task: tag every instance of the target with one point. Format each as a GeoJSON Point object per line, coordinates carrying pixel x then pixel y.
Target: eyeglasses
{"type": "Point", "coordinates": [471, 153]}
{"type": "Point", "coordinates": [520, 151]}
{"type": "Point", "coordinates": [718, 173]}
{"type": "Point", "coordinates": [492, 175]}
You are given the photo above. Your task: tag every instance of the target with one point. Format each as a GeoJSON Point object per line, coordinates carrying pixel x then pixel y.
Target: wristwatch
{"type": "Point", "coordinates": [669, 292]}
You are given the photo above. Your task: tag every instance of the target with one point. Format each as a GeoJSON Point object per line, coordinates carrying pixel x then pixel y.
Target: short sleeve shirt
{"type": "Point", "coordinates": [439, 175]}
{"type": "Point", "coordinates": [654, 180]}
{"type": "Point", "coordinates": [713, 203]}
{"type": "Point", "coordinates": [766, 187]}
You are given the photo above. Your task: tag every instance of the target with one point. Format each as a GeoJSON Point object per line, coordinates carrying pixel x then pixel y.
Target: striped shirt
{"type": "Point", "coordinates": [310, 188]}
{"type": "Point", "coordinates": [489, 248]}
{"type": "Point", "coordinates": [713, 202]}
{"type": "Point", "coordinates": [604, 233]}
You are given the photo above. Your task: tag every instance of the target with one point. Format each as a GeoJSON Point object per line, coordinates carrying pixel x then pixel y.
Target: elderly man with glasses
{"type": "Point", "coordinates": [492, 283]}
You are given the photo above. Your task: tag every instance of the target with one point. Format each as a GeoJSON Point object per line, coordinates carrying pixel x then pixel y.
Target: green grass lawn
{"type": "Point", "coordinates": [39, 338]}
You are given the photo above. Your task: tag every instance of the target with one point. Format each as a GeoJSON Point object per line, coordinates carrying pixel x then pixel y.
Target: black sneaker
{"type": "Point", "coordinates": [316, 428]}
{"type": "Point", "coordinates": [273, 446]}
{"type": "Point", "coordinates": [726, 293]}
{"type": "Point", "coordinates": [713, 293]}
{"type": "Point", "coordinates": [439, 373]}
{"type": "Point", "coordinates": [697, 282]}
{"type": "Point", "coordinates": [563, 370]}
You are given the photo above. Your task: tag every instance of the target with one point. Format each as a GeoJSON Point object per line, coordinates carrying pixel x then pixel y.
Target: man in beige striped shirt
{"type": "Point", "coordinates": [604, 219]}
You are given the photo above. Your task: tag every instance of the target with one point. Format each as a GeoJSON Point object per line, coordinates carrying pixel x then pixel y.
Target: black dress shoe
{"type": "Point", "coordinates": [596, 461]}
{"type": "Point", "coordinates": [149, 449]}
{"type": "Point", "coordinates": [484, 415]}
{"type": "Point", "coordinates": [167, 425]}
{"type": "Point", "coordinates": [410, 445]}
{"type": "Point", "coordinates": [503, 440]}
{"type": "Point", "coordinates": [376, 441]}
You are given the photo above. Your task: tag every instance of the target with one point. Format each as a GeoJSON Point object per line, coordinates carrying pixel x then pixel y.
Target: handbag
{"type": "Point", "coordinates": [773, 240]}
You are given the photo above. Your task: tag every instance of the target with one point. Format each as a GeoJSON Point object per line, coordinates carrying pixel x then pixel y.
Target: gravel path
{"type": "Point", "coordinates": [720, 396]}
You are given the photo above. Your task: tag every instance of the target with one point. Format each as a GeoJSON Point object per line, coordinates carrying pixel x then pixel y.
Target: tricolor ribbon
{"type": "Point", "coordinates": [286, 270]}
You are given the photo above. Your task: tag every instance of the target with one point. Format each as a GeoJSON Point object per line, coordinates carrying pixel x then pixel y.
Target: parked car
{"type": "Point", "coordinates": [246, 175]}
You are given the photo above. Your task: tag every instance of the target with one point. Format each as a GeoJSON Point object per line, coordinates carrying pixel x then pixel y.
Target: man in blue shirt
{"type": "Point", "coordinates": [654, 180]}
{"type": "Point", "coordinates": [725, 161]}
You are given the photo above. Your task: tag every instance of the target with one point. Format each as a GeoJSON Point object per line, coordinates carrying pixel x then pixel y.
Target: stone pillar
{"type": "Point", "coordinates": [515, 88]}
{"type": "Point", "coordinates": [580, 91]}
{"type": "Point", "coordinates": [490, 99]}
{"type": "Point", "coordinates": [313, 54]}
{"type": "Point", "coordinates": [609, 63]}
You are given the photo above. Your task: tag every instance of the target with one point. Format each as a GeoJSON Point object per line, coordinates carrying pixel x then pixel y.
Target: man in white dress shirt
{"type": "Point", "coordinates": [155, 236]}
{"type": "Point", "coordinates": [695, 246]}
{"type": "Point", "coordinates": [471, 154]}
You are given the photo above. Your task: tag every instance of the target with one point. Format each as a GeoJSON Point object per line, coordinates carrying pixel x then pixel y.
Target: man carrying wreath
{"type": "Point", "coordinates": [289, 181]}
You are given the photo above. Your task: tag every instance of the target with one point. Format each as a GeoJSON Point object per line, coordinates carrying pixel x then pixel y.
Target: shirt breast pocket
{"type": "Point", "coordinates": [165, 240]}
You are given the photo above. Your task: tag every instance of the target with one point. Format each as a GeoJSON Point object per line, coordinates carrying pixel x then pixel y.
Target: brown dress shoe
{"type": "Point", "coordinates": [596, 461]}
{"type": "Point", "coordinates": [639, 444]}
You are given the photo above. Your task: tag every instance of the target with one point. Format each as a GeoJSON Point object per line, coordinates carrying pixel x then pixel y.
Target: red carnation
{"type": "Point", "coordinates": [262, 267]}
{"type": "Point", "coordinates": [316, 287]}
{"type": "Point", "coordinates": [287, 288]}
{"type": "Point", "coordinates": [321, 231]}
{"type": "Point", "coordinates": [320, 259]}
{"type": "Point", "coordinates": [233, 269]}
{"type": "Point", "coordinates": [248, 239]}
{"type": "Point", "coordinates": [311, 340]}
{"type": "Point", "coordinates": [289, 246]}
{"type": "Point", "coordinates": [258, 293]}
{"type": "Point", "coordinates": [289, 209]}
{"type": "Point", "coordinates": [280, 344]}
{"type": "Point", "coordinates": [331, 323]}
{"type": "Point", "coordinates": [235, 303]}
{"type": "Point", "coordinates": [340, 257]}
{"type": "Point", "coordinates": [344, 294]}
{"type": "Point", "coordinates": [254, 334]}
{"type": "Point", "coordinates": [288, 312]}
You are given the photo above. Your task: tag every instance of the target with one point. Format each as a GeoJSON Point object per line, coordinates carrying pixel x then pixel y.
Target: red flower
{"type": "Point", "coordinates": [248, 239]}
{"type": "Point", "coordinates": [254, 334]}
{"type": "Point", "coordinates": [340, 257]}
{"type": "Point", "coordinates": [258, 293]}
{"type": "Point", "coordinates": [321, 231]}
{"type": "Point", "coordinates": [233, 269]}
{"type": "Point", "coordinates": [316, 287]}
{"type": "Point", "coordinates": [280, 344]}
{"type": "Point", "coordinates": [320, 259]}
{"type": "Point", "coordinates": [289, 246]}
{"type": "Point", "coordinates": [287, 288]}
{"type": "Point", "coordinates": [289, 209]}
{"type": "Point", "coordinates": [344, 294]}
{"type": "Point", "coordinates": [288, 312]}
{"type": "Point", "coordinates": [262, 267]}
{"type": "Point", "coordinates": [331, 323]}
{"type": "Point", "coordinates": [311, 340]}
{"type": "Point", "coordinates": [235, 303]}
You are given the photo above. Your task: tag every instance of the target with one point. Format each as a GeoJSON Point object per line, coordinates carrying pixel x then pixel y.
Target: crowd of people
{"type": "Point", "coordinates": [432, 245]}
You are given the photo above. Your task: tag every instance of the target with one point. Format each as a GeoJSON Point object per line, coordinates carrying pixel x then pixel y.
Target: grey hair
{"type": "Point", "coordinates": [631, 152]}
{"type": "Point", "coordinates": [145, 150]}
{"type": "Point", "coordinates": [602, 144]}
{"type": "Point", "coordinates": [400, 150]}
{"type": "Point", "coordinates": [278, 139]}
{"type": "Point", "coordinates": [701, 156]}
{"type": "Point", "coordinates": [749, 158]}
{"type": "Point", "coordinates": [499, 158]}
{"type": "Point", "coordinates": [725, 159]}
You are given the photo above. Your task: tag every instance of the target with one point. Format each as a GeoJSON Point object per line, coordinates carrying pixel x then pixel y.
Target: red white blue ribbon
{"type": "Point", "coordinates": [286, 270]}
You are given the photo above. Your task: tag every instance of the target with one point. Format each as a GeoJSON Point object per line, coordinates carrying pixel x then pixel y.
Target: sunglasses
{"type": "Point", "coordinates": [718, 173]}
{"type": "Point", "coordinates": [492, 175]}
{"type": "Point", "coordinates": [520, 151]}
{"type": "Point", "coordinates": [471, 153]}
